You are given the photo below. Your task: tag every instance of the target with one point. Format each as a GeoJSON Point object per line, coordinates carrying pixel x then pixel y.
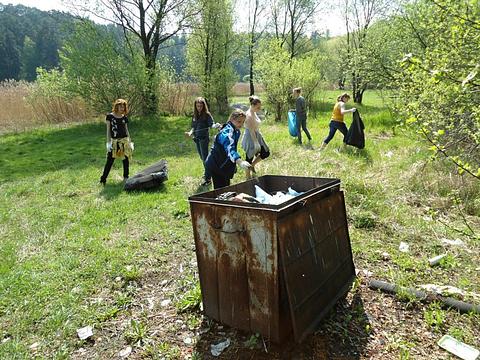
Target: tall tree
{"type": "Point", "coordinates": [290, 20]}
{"type": "Point", "coordinates": [9, 55]}
{"type": "Point", "coordinates": [99, 69]}
{"type": "Point", "coordinates": [255, 10]}
{"type": "Point", "coordinates": [210, 51]}
{"type": "Point", "coordinates": [152, 22]}
{"type": "Point", "coordinates": [41, 32]}
{"type": "Point", "coordinates": [359, 16]}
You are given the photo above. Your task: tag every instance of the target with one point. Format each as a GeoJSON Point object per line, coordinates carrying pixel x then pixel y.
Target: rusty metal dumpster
{"type": "Point", "coordinates": [273, 269]}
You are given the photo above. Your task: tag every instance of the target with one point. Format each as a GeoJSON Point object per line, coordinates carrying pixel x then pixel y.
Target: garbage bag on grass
{"type": "Point", "coordinates": [149, 178]}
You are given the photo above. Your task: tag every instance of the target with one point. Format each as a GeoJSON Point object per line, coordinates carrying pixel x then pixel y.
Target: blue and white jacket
{"type": "Point", "coordinates": [223, 156]}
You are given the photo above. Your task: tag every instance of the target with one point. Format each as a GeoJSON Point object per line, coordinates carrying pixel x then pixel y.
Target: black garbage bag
{"type": "Point", "coordinates": [356, 135]}
{"type": "Point", "coordinates": [149, 178]}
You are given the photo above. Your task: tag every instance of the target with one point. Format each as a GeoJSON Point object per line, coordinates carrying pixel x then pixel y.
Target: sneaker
{"type": "Point", "coordinates": [206, 182]}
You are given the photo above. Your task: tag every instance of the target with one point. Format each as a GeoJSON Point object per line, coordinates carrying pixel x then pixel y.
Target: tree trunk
{"type": "Point", "coordinates": [252, 88]}
{"type": "Point", "coordinates": [358, 97]}
{"type": "Point", "coordinates": [278, 112]}
{"type": "Point", "coordinates": [150, 93]}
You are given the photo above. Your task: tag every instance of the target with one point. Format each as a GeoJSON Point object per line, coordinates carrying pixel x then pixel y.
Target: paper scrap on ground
{"type": "Point", "coordinates": [217, 349]}
{"type": "Point", "coordinates": [447, 290]}
{"type": "Point", "coordinates": [85, 332]}
{"type": "Point", "coordinates": [463, 351]}
{"type": "Point", "coordinates": [125, 352]}
{"type": "Point", "coordinates": [456, 242]}
{"type": "Point", "coordinates": [436, 260]}
{"type": "Point", "coordinates": [404, 247]}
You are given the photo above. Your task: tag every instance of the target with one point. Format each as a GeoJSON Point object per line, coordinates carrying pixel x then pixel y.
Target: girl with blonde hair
{"type": "Point", "coordinates": [337, 119]}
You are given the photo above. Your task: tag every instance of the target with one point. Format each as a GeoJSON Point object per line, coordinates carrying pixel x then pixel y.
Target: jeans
{"type": "Point", "coordinates": [302, 122]}
{"type": "Point", "coordinates": [108, 166]}
{"type": "Point", "coordinates": [220, 181]}
{"type": "Point", "coordinates": [334, 126]}
{"type": "Point", "coordinates": [202, 149]}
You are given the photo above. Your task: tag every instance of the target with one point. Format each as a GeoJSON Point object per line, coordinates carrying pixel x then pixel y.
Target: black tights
{"type": "Point", "coordinates": [108, 166]}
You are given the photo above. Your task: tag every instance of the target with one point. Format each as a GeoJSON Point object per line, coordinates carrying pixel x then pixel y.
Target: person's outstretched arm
{"type": "Point", "coordinates": [344, 111]}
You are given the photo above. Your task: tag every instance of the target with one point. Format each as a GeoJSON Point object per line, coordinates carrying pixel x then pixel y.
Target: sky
{"type": "Point", "coordinates": [326, 20]}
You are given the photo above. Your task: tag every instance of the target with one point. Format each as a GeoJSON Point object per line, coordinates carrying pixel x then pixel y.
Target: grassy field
{"type": "Point", "coordinates": [74, 253]}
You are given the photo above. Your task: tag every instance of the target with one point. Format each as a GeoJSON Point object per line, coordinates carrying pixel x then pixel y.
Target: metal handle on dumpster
{"type": "Point", "coordinates": [220, 228]}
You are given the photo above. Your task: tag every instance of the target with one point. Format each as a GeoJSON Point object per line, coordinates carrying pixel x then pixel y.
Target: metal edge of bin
{"type": "Point", "coordinates": [198, 198]}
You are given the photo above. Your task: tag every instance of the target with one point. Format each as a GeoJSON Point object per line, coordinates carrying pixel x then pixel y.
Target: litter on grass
{"type": "Point", "coordinates": [436, 260]}
{"type": "Point", "coordinates": [458, 348]}
{"type": "Point", "coordinates": [85, 332]}
{"type": "Point", "coordinates": [217, 349]}
{"type": "Point", "coordinates": [456, 242]}
{"type": "Point", "coordinates": [404, 247]}
{"type": "Point", "coordinates": [447, 290]}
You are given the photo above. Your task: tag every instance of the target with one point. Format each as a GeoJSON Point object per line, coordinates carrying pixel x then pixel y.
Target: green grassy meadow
{"type": "Point", "coordinates": [74, 253]}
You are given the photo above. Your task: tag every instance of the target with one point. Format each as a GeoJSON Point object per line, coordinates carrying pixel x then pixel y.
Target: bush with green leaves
{"type": "Point", "coordinates": [101, 68]}
{"type": "Point", "coordinates": [279, 74]}
{"type": "Point", "coordinates": [440, 88]}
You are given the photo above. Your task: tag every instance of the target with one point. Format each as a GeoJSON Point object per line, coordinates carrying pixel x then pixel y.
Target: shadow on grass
{"type": "Point", "coordinates": [342, 335]}
{"type": "Point", "coordinates": [78, 147]}
{"type": "Point", "coordinates": [362, 154]}
{"type": "Point", "coordinates": [112, 190]}
{"type": "Point", "coordinates": [202, 188]}
{"type": "Point", "coordinates": [158, 189]}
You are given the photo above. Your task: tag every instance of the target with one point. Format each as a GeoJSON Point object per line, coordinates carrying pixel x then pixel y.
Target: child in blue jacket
{"type": "Point", "coordinates": [224, 158]}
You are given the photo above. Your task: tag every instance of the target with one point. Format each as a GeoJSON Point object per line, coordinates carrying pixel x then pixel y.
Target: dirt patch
{"type": "Point", "coordinates": [365, 325]}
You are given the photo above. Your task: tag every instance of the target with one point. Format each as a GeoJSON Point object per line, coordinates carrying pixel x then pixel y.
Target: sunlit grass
{"type": "Point", "coordinates": [66, 240]}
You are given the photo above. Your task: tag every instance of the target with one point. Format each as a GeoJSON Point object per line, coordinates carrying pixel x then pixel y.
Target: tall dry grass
{"type": "Point", "coordinates": [57, 110]}
{"type": "Point", "coordinates": [178, 97]}
{"type": "Point", "coordinates": [243, 89]}
{"type": "Point", "coordinates": [15, 112]}
{"type": "Point", "coordinates": [23, 108]}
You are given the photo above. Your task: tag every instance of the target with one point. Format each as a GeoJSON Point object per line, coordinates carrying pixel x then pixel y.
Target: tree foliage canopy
{"type": "Point", "coordinates": [440, 86]}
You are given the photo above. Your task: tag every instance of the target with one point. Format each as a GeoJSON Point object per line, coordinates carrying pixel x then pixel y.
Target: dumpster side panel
{"type": "Point", "coordinates": [317, 260]}
{"type": "Point", "coordinates": [237, 258]}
